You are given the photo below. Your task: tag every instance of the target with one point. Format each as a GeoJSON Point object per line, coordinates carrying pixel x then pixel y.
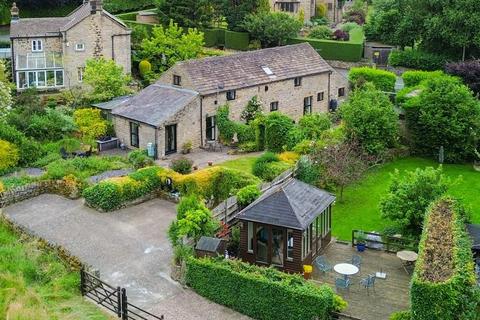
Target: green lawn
{"type": "Point", "coordinates": [359, 210]}
{"type": "Point", "coordinates": [243, 164]}
{"type": "Point", "coordinates": [36, 285]}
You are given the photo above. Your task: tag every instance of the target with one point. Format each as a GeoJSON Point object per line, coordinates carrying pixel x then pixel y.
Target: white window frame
{"type": "Point", "coordinates": [80, 71]}
{"type": "Point", "coordinates": [37, 45]}
{"type": "Point", "coordinates": [250, 237]}
{"type": "Point", "coordinates": [290, 231]}
{"type": "Point", "coordinates": [80, 46]}
{"type": "Point", "coordinates": [35, 84]}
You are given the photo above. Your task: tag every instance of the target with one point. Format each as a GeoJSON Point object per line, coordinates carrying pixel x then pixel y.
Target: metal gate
{"type": "Point", "coordinates": [111, 298]}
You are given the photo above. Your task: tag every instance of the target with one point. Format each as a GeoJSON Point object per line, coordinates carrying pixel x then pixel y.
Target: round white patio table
{"type": "Point", "coordinates": [345, 269]}
{"type": "Point", "coordinates": [408, 258]}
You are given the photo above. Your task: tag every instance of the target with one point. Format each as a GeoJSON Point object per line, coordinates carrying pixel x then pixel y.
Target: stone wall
{"type": "Point", "coordinates": [35, 189]}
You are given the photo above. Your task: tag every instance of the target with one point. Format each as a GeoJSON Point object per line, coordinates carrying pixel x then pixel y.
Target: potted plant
{"type": "Point", "coordinates": [187, 147]}
{"type": "Point", "coordinates": [361, 242]}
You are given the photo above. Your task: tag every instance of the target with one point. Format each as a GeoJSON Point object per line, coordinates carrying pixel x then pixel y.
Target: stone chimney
{"type": "Point", "coordinates": [15, 12]}
{"type": "Point", "coordinates": [96, 6]}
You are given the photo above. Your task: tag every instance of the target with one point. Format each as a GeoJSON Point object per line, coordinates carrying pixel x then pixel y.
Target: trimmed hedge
{"type": "Point", "coordinates": [414, 77]}
{"type": "Point", "coordinates": [214, 37]}
{"type": "Point", "coordinates": [383, 80]}
{"type": "Point", "coordinates": [351, 50]}
{"type": "Point", "coordinates": [416, 59]}
{"type": "Point", "coordinates": [112, 193]}
{"type": "Point", "coordinates": [443, 283]}
{"type": "Point", "coordinates": [261, 293]}
{"type": "Point", "coordinates": [237, 40]}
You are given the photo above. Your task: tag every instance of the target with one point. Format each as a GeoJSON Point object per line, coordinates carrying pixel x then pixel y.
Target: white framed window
{"type": "Point", "coordinates": [80, 47]}
{"type": "Point", "coordinates": [37, 45]}
{"type": "Point", "coordinates": [289, 245]}
{"type": "Point", "coordinates": [40, 79]}
{"type": "Point", "coordinates": [80, 71]}
{"type": "Point", "coordinates": [250, 236]}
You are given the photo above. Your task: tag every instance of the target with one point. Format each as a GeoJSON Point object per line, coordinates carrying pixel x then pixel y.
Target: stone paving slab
{"type": "Point", "coordinates": [128, 246]}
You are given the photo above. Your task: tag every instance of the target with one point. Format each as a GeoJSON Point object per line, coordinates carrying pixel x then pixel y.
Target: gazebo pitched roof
{"type": "Point", "coordinates": [291, 204]}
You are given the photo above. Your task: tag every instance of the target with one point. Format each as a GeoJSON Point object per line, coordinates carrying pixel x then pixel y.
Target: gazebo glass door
{"type": "Point", "coordinates": [278, 246]}
{"type": "Point", "coordinates": [262, 244]}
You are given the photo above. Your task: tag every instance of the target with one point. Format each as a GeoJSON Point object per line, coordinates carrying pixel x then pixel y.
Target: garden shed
{"type": "Point", "coordinates": [287, 227]}
{"type": "Point", "coordinates": [209, 247]}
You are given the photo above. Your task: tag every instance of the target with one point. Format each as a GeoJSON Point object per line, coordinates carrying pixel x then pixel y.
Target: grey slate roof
{"type": "Point", "coordinates": [209, 244]}
{"type": "Point", "coordinates": [214, 74]}
{"type": "Point", "coordinates": [292, 204]}
{"type": "Point", "coordinates": [474, 231]}
{"type": "Point", "coordinates": [112, 104]}
{"type": "Point", "coordinates": [37, 27]}
{"type": "Point", "coordinates": [155, 104]}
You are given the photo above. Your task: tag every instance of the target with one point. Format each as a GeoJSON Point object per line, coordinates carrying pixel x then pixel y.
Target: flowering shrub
{"type": "Point", "coordinates": [8, 155]}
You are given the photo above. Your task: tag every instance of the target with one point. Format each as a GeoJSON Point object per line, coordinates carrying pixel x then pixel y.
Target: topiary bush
{"type": "Point", "coordinates": [268, 166]}
{"type": "Point", "coordinates": [415, 77]}
{"type": "Point", "coordinates": [257, 291]}
{"type": "Point", "coordinates": [29, 149]}
{"type": "Point", "coordinates": [416, 59]}
{"type": "Point", "coordinates": [340, 35]}
{"type": "Point", "coordinates": [277, 126]}
{"type": "Point", "coordinates": [182, 165]}
{"type": "Point", "coordinates": [247, 195]}
{"type": "Point", "coordinates": [383, 80]}
{"type": "Point", "coordinates": [145, 68]}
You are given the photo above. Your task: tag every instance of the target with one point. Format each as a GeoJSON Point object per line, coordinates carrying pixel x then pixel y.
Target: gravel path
{"type": "Point", "coordinates": [31, 172]}
{"type": "Point", "coordinates": [128, 246]}
{"type": "Point", "coordinates": [109, 174]}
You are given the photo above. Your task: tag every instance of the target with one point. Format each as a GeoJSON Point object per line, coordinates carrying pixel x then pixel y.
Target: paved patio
{"type": "Point", "coordinates": [390, 295]}
{"type": "Point", "coordinates": [201, 157]}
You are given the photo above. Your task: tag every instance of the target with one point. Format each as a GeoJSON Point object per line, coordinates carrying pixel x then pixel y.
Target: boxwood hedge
{"type": "Point", "coordinates": [443, 283]}
{"type": "Point", "coordinates": [261, 293]}
{"type": "Point", "coordinates": [415, 77]}
{"type": "Point", "coordinates": [383, 80]}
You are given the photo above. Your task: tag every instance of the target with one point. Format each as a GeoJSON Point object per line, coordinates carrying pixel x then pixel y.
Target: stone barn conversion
{"type": "Point", "coordinates": [181, 106]}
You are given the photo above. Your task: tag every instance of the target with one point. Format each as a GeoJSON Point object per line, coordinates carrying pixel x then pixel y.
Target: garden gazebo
{"type": "Point", "coordinates": [287, 227]}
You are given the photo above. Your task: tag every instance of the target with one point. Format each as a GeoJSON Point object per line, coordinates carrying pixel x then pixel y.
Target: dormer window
{"type": "Point", "coordinates": [80, 47]}
{"type": "Point", "coordinates": [37, 45]}
{"type": "Point", "coordinates": [231, 95]}
{"type": "Point", "coordinates": [177, 80]}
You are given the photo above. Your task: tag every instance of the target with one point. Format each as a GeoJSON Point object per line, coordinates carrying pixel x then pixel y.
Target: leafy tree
{"type": "Point", "coordinates": [277, 126]}
{"type": "Point", "coordinates": [445, 113]}
{"type": "Point", "coordinates": [313, 125]}
{"type": "Point", "coordinates": [90, 123]}
{"type": "Point", "coordinates": [106, 79]}
{"type": "Point", "coordinates": [253, 108]}
{"type": "Point", "coordinates": [307, 171]}
{"type": "Point", "coordinates": [370, 119]}
{"type": "Point", "coordinates": [409, 196]}
{"type": "Point", "coordinates": [469, 71]}
{"type": "Point", "coordinates": [235, 11]}
{"type": "Point", "coordinates": [169, 45]}
{"type": "Point", "coordinates": [194, 220]}
{"type": "Point", "coordinates": [340, 164]}
{"type": "Point", "coordinates": [247, 195]}
{"type": "Point", "coordinates": [187, 13]}
{"type": "Point", "coordinates": [272, 28]}
{"type": "Point", "coordinates": [389, 24]}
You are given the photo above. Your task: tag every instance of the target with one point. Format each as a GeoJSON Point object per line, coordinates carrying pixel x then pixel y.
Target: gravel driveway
{"type": "Point", "coordinates": [128, 246]}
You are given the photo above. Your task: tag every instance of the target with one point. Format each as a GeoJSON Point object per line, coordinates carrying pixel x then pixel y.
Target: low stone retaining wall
{"type": "Point", "coordinates": [72, 261]}
{"type": "Point", "coordinates": [66, 188]}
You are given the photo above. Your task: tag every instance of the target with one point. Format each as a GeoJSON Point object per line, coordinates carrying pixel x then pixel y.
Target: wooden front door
{"type": "Point", "coordinates": [171, 139]}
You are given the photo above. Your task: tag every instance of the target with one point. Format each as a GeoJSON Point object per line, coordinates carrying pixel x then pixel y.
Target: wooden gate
{"type": "Point", "coordinates": [111, 298]}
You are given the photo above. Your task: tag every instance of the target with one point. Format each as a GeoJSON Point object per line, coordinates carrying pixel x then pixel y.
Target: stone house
{"type": "Point", "coordinates": [50, 53]}
{"type": "Point", "coordinates": [181, 106]}
{"type": "Point", "coordinates": [294, 7]}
